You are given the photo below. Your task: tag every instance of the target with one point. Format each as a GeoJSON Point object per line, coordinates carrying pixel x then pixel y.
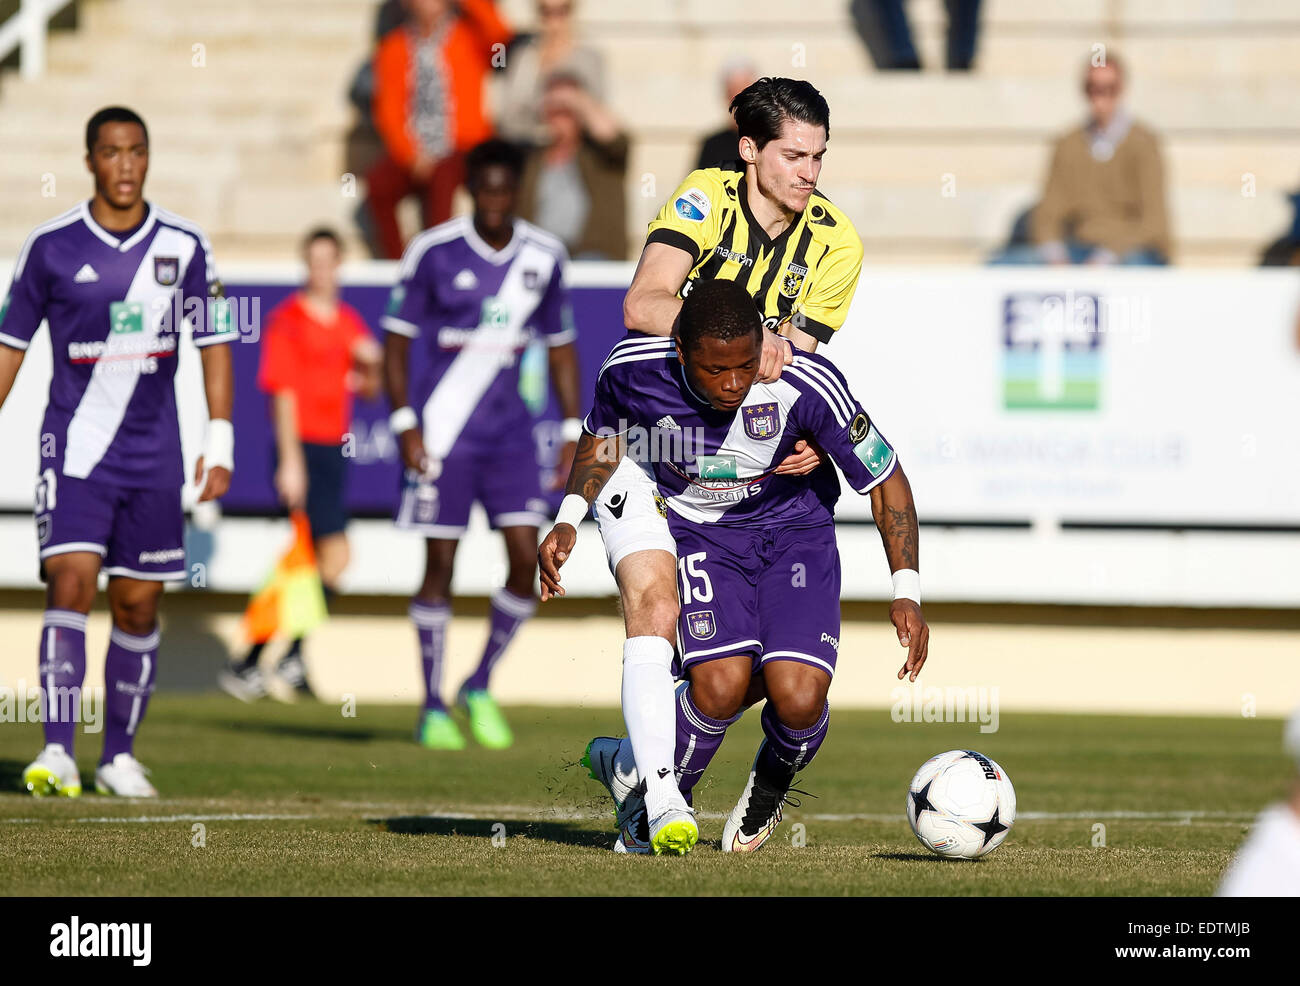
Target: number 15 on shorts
{"type": "Point", "coordinates": [688, 567]}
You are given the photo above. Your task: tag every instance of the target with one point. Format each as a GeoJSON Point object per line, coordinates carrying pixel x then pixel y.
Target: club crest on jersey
{"type": "Point", "coordinates": [793, 280]}
{"type": "Point", "coordinates": [762, 421]}
{"type": "Point", "coordinates": [692, 205]}
{"type": "Point", "coordinates": [661, 505]}
{"type": "Point", "coordinates": [166, 270]}
{"type": "Point", "coordinates": [701, 624]}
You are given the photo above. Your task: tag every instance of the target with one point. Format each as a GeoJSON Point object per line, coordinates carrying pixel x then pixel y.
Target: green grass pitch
{"type": "Point", "coordinates": [301, 800]}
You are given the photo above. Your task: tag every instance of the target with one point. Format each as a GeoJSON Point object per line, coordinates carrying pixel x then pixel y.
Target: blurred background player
{"type": "Point", "coordinates": [475, 291]}
{"type": "Point", "coordinates": [767, 227]}
{"type": "Point", "coordinates": [740, 531]}
{"type": "Point", "coordinates": [114, 277]}
{"type": "Point", "coordinates": [316, 353]}
{"type": "Point", "coordinates": [1268, 862]}
{"type": "Point", "coordinates": [428, 108]}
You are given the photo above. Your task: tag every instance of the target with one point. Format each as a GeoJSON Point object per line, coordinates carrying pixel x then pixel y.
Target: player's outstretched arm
{"type": "Point", "coordinates": [10, 360]}
{"type": "Point", "coordinates": [593, 464]}
{"type": "Point", "coordinates": [894, 510]}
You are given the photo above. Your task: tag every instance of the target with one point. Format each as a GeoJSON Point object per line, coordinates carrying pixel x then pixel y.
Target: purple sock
{"type": "Point", "coordinates": [62, 671]}
{"type": "Point", "coordinates": [129, 672]}
{"type": "Point", "coordinates": [508, 614]}
{"type": "Point", "coordinates": [430, 621]}
{"type": "Point", "coordinates": [699, 737]}
{"type": "Point", "coordinates": [787, 751]}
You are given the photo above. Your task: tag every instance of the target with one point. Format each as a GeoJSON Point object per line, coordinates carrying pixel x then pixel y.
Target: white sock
{"type": "Point", "coordinates": [650, 712]}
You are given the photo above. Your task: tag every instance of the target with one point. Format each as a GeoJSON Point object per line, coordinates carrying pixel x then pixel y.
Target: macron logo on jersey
{"type": "Point", "coordinates": [86, 275]}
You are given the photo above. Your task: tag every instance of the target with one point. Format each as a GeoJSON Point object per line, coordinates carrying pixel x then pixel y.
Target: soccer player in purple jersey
{"type": "Point", "coordinates": [475, 291]}
{"type": "Point", "coordinates": [756, 551]}
{"type": "Point", "coordinates": [114, 278]}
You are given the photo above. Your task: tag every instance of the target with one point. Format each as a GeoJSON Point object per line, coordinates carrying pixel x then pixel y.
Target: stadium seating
{"type": "Point", "coordinates": [251, 144]}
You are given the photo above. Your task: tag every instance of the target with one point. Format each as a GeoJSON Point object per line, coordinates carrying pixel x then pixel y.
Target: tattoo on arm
{"type": "Point", "coordinates": [900, 537]}
{"type": "Point", "coordinates": [593, 464]}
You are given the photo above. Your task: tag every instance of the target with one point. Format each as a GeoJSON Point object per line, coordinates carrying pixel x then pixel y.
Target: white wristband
{"type": "Point", "coordinates": [219, 449]}
{"type": "Point", "coordinates": [570, 430]}
{"type": "Point", "coordinates": [402, 420]}
{"type": "Point", "coordinates": [573, 508]}
{"type": "Point", "coordinates": [907, 585]}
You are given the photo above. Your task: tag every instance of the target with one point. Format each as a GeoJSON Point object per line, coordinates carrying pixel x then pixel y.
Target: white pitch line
{"type": "Point", "coordinates": [139, 819]}
{"type": "Point", "coordinates": [531, 813]}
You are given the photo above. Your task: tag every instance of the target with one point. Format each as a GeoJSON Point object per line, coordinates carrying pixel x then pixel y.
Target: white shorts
{"type": "Point", "coordinates": [632, 515]}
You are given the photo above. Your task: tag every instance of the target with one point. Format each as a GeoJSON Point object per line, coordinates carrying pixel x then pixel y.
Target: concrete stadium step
{"type": "Point", "coordinates": [894, 159]}
{"type": "Point", "coordinates": [202, 21]}
{"type": "Point", "coordinates": [984, 215]}
{"type": "Point", "coordinates": [930, 103]}
{"type": "Point", "coordinates": [995, 14]}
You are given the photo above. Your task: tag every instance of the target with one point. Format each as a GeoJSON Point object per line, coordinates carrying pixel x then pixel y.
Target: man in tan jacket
{"type": "Point", "coordinates": [1105, 197]}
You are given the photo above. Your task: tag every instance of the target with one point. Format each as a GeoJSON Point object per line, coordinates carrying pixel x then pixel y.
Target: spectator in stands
{"type": "Point", "coordinates": [554, 48]}
{"type": "Point", "coordinates": [316, 353]}
{"type": "Point", "coordinates": [883, 27]}
{"type": "Point", "coordinates": [737, 75]}
{"type": "Point", "coordinates": [573, 187]}
{"type": "Point", "coordinates": [1105, 197]}
{"type": "Point", "coordinates": [428, 107]}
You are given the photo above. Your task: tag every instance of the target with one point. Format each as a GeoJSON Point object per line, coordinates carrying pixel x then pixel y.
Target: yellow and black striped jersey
{"type": "Point", "coordinates": [809, 270]}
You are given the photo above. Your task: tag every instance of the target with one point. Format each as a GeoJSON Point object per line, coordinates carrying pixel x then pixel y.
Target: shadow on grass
{"type": "Point", "coordinates": [11, 776]}
{"type": "Point", "coordinates": [562, 833]}
{"type": "Point", "coordinates": [306, 731]}
{"type": "Point", "coordinates": [917, 857]}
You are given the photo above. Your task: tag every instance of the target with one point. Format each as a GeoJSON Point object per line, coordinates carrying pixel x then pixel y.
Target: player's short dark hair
{"type": "Point", "coordinates": [322, 233]}
{"type": "Point", "coordinates": [493, 152]}
{"type": "Point", "coordinates": [761, 107]}
{"type": "Point", "coordinates": [111, 114]}
{"type": "Point", "coordinates": [717, 309]}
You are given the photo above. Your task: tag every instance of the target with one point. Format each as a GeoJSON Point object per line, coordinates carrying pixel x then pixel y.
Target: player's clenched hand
{"type": "Point", "coordinates": [553, 553]}
{"type": "Point", "coordinates": [913, 633]}
{"type": "Point", "coordinates": [413, 456]}
{"type": "Point", "coordinates": [804, 459]}
{"type": "Point", "coordinates": [777, 355]}
{"type": "Point", "coordinates": [218, 481]}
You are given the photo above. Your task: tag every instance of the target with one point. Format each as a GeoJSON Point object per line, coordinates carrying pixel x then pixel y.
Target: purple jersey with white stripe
{"type": "Point", "coordinates": [716, 467]}
{"type": "Point", "coordinates": [475, 310]}
{"type": "Point", "coordinates": [114, 307]}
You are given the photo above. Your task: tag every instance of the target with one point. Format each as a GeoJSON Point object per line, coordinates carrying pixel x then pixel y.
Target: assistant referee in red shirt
{"type": "Point", "coordinates": [316, 354]}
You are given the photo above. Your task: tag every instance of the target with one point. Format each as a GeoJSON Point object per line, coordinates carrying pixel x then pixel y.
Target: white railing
{"type": "Point", "coordinates": [25, 32]}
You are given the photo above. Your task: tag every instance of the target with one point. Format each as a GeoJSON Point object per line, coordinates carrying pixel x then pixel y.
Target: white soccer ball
{"type": "Point", "coordinates": [961, 804]}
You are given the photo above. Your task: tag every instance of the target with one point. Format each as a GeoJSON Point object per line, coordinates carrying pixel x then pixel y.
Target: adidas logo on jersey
{"type": "Point", "coordinates": [86, 275]}
{"type": "Point", "coordinates": [465, 280]}
{"type": "Point", "coordinates": [667, 423]}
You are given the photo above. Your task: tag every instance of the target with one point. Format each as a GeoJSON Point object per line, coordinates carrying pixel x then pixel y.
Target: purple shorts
{"type": "Point", "coordinates": [506, 481]}
{"type": "Point", "coordinates": [139, 533]}
{"type": "Point", "coordinates": [773, 593]}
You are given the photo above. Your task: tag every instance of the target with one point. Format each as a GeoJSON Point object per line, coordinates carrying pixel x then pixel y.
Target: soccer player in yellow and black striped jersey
{"type": "Point", "coordinates": [760, 221]}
